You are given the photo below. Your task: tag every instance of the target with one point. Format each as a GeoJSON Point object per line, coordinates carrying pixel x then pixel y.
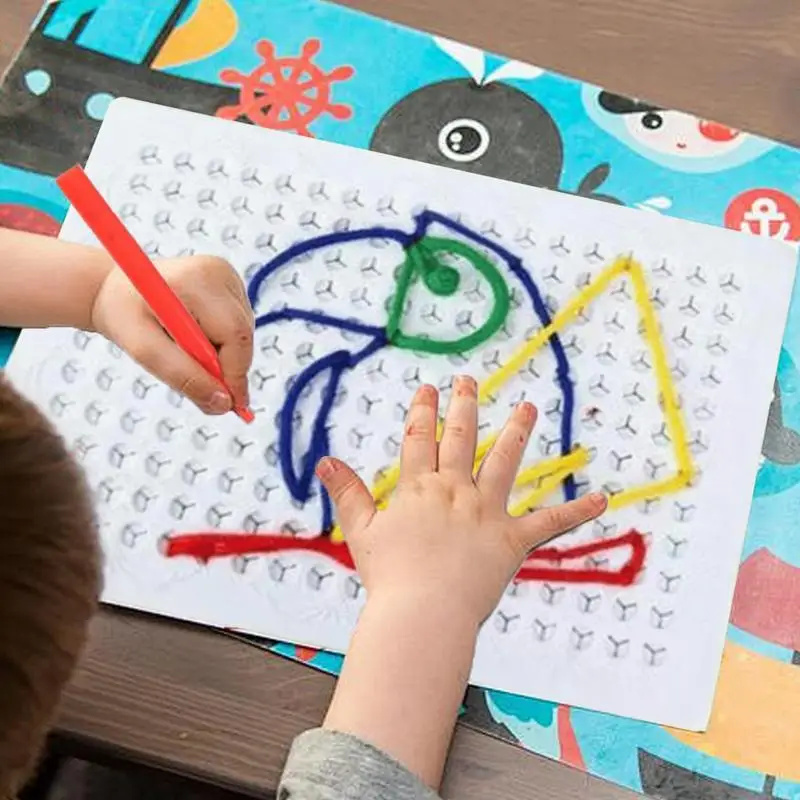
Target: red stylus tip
{"type": "Point", "coordinates": [245, 414]}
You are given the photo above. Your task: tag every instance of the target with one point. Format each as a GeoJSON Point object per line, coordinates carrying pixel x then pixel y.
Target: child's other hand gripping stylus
{"type": "Point", "coordinates": [215, 296]}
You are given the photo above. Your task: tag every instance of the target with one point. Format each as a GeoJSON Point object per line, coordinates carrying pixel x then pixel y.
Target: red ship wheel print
{"type": "Point", "coordinates": [286, 94]}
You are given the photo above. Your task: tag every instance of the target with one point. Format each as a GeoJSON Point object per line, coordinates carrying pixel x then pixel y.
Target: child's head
{"type": "Point", "coordinates": [49, 579]}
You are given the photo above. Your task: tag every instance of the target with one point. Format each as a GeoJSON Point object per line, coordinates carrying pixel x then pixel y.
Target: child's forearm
{"type": "Point", "coordinates": [45, 282]}
{"type": "Point", "coordinates": [404, 680]}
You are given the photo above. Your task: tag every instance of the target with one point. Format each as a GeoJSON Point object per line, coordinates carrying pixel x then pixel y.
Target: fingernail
{"type": "Point", "coordinates": [466, 386]}
{"type": "Point", "coordinates": [220, 403]}
{"type": "Point", "coordinates": [598, 499]}
{"type": "Point", "coordinates": [426, 395]}
{"type": "Point", "coordinates": [327, 466]}
{"type": "Point", "coordinates": [526, 411]}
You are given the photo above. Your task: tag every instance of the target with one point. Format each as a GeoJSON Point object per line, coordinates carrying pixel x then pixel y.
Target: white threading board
{"type": "Point", "coordinates": [185, 183]}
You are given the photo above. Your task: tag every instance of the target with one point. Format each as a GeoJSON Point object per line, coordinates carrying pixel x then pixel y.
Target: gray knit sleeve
{"type": "Point", "coordinates": [326, 765]}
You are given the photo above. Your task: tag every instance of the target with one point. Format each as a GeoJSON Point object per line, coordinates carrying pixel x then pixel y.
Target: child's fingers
{"type": "Point", "coordinates": [418, 453]}
{"type": "Point", "coordinates": [151, 347]}
{"type": "Point", "coordinates": [354, 504]}
{"type": "Point", "coordinates": [229, 326]}
{"type": "Point", "coordinates": [499, 468]}
{"type": "Point", "coordinates": [216, 297]}
{"type": "Point", "coordinates": [534, 529]}
{"type": "Point", "coordinates": [236, 357]}
{"type": "Point", "coordinates": [460, 434]}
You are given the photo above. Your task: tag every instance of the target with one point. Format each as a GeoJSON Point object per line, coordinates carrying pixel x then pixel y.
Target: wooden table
{"type": "Point", "coordinates": [193, 702]}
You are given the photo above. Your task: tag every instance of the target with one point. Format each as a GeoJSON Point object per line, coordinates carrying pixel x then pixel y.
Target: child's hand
{"type": "Point", "coordinates": [216, 297]}
{"type": "Point", "coordinates": [446, 538]}
{"type": "Point", "coordinates": [435, 564]}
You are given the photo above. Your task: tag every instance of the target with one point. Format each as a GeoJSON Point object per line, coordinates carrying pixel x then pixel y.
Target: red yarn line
{"type": "Point", "coordinates": [205, 546]}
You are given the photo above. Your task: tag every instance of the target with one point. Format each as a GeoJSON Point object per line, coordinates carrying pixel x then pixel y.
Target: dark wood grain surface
{"type": "Point", "coordinates": [735, 61]}
{"type": "Point", "coordinates": [16, 18]}
{"type": "Point", "coordinates": [194, 702]}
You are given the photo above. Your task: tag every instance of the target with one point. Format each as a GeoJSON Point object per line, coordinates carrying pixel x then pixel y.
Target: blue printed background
{"type": "Point", "coordinates": [559, 131]}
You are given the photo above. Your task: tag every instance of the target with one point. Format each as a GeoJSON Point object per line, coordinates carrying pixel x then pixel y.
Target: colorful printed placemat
{"type": "Point", "coordinates": [323, 71]}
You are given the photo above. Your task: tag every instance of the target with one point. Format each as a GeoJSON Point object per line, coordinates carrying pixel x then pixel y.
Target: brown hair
{"type": "Point", "coordinates": [49, 579]}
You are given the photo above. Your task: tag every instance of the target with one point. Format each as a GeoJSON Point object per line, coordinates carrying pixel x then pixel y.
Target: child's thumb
{"type": "Point", "coordinates": [354, 504]}
{"type": "Point", "coordinates": [539, 527]}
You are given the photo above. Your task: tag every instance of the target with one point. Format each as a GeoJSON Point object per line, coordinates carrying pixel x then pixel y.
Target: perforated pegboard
{"type": "Point", "coordinates": [184, 184]}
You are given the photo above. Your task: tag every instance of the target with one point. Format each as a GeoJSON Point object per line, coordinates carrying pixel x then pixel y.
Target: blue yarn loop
{"type": "Point", "coordinates": [335, 364]}
{"type": "Point", "coordinates": [319, 318]}
{"type": "Point", "coordinates": [300, 249]}
{"type": "Point", "coordinates": [298, 472]}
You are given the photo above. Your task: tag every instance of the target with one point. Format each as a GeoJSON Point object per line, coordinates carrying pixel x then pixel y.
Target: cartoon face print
{"type": "Point", "coordinates": [682, 134]}
{"type": "Point", "coordinates": [672, 138]}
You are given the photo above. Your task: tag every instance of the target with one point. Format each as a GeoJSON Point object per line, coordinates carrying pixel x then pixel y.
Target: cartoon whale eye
{"type": "Point", "coordinates": [464, 140]}
{"type": "Point", "coordinates": [652, 121]}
